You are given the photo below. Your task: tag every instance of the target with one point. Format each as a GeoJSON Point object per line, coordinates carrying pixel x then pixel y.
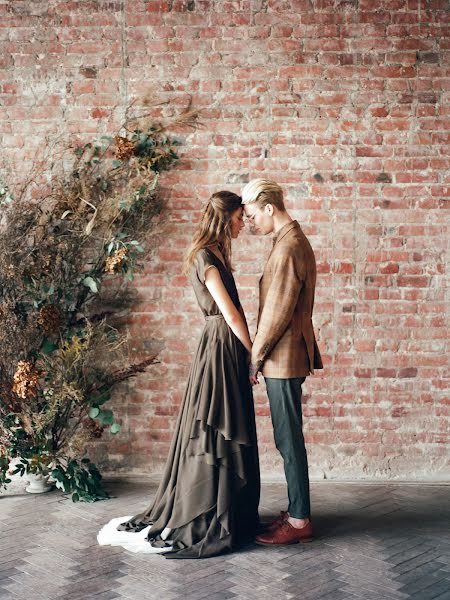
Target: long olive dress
{"type": "Point", "coordinates": [210, 487]}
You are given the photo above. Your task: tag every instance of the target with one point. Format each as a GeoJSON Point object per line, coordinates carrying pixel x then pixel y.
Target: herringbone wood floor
{"type": "Point", "coordinates": [374, 542]}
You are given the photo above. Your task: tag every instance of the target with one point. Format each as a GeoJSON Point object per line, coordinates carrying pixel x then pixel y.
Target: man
{"type": "Point", "coordinates": [284, 348]}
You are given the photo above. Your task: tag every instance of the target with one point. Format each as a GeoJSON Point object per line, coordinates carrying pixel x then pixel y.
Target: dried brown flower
{"type": "Point", "coordinates": [78, 442]}
{"type": "Point", "coordinates": [114, 262]}
{"type": "Point", "coordinates": [25, 380]}
{"type": "Point", "coordinates": [26, 423]}
{"type": "Point", "coordinates": [10, 271]}
{"type": "Point", "coordinates": [132, 370]}
{"type": "Point", "coordinates": [49, 318]}
{"type": "Point", "coordinates": [124, 147]}
{"type": "Point", "coordinates": [95, 429]}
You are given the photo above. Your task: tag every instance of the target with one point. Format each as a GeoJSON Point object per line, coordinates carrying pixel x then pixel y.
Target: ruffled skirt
{"type": "Point", "coordinates": [207, 501]}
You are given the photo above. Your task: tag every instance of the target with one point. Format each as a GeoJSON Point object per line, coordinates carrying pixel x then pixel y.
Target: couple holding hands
{"type": "Point", "coordinates": [207, 501]}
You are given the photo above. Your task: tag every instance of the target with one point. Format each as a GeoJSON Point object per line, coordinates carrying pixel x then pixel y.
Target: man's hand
{"type": "Point", "coordinates": [253, 374]}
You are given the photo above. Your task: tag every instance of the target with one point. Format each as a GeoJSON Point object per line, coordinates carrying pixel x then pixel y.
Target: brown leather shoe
{"type": "Point", "coordinates": [278, 521]}
{"type": "Point", "coordinates": [285, 534]}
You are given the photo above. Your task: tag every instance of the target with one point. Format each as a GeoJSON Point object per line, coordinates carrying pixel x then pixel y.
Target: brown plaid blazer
{"type": "Point", "coordinates": [285, 345]}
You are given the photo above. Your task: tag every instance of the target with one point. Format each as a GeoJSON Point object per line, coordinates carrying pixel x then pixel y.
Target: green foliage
{"type": "Point", "coordinates": [81, 478]}
{"type": "Point", "coordinates": [4, 479]}
{"type": "Point", "coordinates": [91, 284]}
{"type": "Point", "coordinates": [5, 195]}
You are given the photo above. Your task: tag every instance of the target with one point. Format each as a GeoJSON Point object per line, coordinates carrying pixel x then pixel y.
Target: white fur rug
{"type": "Point", "coordinates": [131, 541]}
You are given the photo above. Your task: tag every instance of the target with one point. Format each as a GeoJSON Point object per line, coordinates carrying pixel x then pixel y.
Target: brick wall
{"type": "Point", "coordinates": [344, 103]}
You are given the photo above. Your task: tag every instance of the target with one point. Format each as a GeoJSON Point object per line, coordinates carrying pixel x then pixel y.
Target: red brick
{"type": "Point", "coordinates": [389, 268]}
{"type": "Point", "coordinates": [363, 373]}
{"type": "Point", "coordinates": [408, 372]}
{"type": "Point", "coordinates": [412, 281]}
{"type": "Point", "coordinates": [390, 373]}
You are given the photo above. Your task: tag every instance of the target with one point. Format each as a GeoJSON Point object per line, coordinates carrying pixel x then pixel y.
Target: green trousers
{"type": "Point", "coordinates": [286, 411]}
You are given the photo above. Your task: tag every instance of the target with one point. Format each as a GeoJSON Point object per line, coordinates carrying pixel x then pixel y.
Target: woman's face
{"type": "Point", "coordinates": [237, 222]}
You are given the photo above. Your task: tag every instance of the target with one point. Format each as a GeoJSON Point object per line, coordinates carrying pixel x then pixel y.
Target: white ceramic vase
{"type": "Point", "coordinates": [37, 483]}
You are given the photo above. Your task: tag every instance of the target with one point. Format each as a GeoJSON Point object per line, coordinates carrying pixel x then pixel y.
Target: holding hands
{"type": "Point", "coordinates": [253, 374]}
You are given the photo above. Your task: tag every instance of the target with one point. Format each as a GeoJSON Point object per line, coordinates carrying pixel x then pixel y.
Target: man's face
{"type": "Point", "coordinates": [260, 220]}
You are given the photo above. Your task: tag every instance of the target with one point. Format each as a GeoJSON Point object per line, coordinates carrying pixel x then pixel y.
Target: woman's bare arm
{"type": "Point", "coordinates": [241, 312]}
{"type": "Point", "coordinates": [230, 313]}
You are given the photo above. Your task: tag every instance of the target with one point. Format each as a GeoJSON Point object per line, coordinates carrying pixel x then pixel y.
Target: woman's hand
{"type": "Point", "coordinates": [253, 374]}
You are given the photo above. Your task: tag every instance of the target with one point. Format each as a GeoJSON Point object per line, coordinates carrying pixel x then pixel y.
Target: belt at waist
{"type": "Point", "coordinates": [212, 317]}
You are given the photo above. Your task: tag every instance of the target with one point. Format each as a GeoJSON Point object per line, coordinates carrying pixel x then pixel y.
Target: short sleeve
{"type": "Point", "coordinates": [203, 262]}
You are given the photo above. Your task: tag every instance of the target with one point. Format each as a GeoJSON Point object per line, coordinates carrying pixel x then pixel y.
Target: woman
{"type": "Point", "coordinates": [207, 501]}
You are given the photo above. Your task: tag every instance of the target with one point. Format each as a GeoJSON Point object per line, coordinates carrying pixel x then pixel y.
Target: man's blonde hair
{"type": "Point", "coordinates": [263, 191]}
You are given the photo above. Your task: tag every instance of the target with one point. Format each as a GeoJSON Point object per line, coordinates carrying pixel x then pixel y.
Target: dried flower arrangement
{"type": "Point", "coordinates": [65, 261]}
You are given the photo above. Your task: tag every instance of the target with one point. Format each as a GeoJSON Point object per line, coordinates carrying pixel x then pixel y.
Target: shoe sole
{"type": "Point", "coordinates": [302, 541]}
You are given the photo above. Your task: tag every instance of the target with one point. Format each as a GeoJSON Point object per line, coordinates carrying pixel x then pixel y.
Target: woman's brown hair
{"type": "Point", "coordinates": [215, 227]}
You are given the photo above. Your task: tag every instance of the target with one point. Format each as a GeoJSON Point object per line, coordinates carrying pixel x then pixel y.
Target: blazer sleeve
{"type": "Point", "coordinates": [278, 308]}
